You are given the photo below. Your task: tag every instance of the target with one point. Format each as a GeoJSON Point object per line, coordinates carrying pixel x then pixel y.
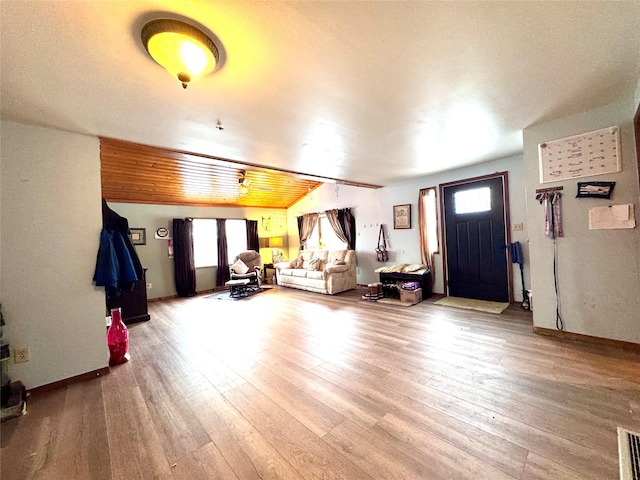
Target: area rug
{"type": "Point", "coordinates": [226, 296]}
{"type": "Point", "coordinates": [473, 304]}
{"type": "Point", "coordinates": [396, 301]}
{"type": "Point", "coordinates": [390, 301]}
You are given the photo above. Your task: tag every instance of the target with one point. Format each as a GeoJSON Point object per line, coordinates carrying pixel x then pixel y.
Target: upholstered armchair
{"type": "Point", "coordinates": [247, 266]}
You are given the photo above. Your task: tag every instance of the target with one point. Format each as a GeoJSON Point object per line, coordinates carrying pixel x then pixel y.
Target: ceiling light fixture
{"type": "Point", "coordinates": [184, 50]}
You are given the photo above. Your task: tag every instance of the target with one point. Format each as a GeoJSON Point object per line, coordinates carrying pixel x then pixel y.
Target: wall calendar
{"type": "Point", "coordinates": [593, 153]}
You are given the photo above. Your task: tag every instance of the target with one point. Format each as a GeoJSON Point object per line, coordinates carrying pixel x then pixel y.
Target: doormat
{"type": "Point", "coordinates": [226, 296]}
{"type": "Point", "coordinates": [473, 304]}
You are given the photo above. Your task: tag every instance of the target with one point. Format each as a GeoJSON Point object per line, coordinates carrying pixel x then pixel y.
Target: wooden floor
{"type": "Point", "coordinates": [295, 385]}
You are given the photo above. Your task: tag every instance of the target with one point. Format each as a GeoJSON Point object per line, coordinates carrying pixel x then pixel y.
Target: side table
{"type": "Point", "coordinates": [265, 277]}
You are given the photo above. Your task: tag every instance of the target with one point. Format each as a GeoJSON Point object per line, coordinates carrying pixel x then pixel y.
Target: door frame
{"type": "Point", "coordinates": [636, 128]}
{"type": "Point", "coordinates": [507, 225]}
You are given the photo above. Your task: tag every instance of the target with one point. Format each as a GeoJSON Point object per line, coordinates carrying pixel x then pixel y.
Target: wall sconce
{"type": "Point", "coordinates": [184, 50]}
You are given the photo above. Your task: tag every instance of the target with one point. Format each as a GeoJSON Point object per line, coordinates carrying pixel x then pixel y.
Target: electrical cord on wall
{"type": "Point", "coordinates": [552, 200]}
{"type": "Point", "coordinates": [559, 322]}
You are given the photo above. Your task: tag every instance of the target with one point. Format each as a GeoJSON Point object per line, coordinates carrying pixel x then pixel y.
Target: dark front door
{"type": "Point", "coordinates": [475, 240]}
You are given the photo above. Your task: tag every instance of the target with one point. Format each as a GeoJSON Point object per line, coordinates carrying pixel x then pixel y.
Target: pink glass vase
{"type": "Point", "coordinates": [117, 339]}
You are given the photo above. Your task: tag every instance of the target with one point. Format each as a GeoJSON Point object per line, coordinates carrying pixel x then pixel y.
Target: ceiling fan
{"type": "Point", "coordinates": [244, 182]}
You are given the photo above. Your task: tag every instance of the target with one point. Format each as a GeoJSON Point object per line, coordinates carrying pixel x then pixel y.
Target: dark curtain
{"type": "Point", "coordinates": [222, 276]}
{"type": "Point", "coordinates": [332, 216]}
{"type": "Point", "coordinates": [299, 219]}
{"type": "Point", "coordinates": [348, 223]}
{"type": "Point", "coordinates": [344, 225]}
{"type": "Point", "coordinates": [306, 224]}
{"type": "Point", "coordinates": [252, 235]}
{"type": "Point", "coordinates": [185, 270]}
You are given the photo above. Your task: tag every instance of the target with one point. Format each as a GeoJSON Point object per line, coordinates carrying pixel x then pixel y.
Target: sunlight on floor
{"type": "Point", "coordinates": [329, 332]}
{"type": "Point", "coordinates": [443, 332]}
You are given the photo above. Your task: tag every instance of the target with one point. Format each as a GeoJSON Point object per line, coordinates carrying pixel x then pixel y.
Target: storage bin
{"type": "Point", "coordinates": [411, 296]}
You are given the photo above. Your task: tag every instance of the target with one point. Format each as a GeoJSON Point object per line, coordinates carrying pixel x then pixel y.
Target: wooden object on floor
{"type": "Point", "coordinates": [266, 278]}
{"type": "Point", "coordinates": [83, 377]}
{"type": "Point", "coordinates": [411, 296]}
{"type": "Point", "coordinates": [587, 338]}
{"type": "Point", "coordinates": [133, 303]}
{"type": "Point", "coordinates": [391, 280]}
{"type": "Point", "coordinates": [297, 385]}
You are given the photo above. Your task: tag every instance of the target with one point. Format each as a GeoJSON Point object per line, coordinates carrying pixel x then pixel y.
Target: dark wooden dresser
{"type": "Point", "coordinates": [133, 303]}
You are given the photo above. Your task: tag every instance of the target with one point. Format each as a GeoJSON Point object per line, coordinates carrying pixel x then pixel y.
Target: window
{"type": "Point", "coordinates": [205, 242]}
{"type": "Point", "coordinates": [323, 236]}
{"type": "Point", "coordinates": [472, 201]}
{"type": "Point", "coordinates": [431, 220]}
{"type": "Point", "coordinates": [236, 237]}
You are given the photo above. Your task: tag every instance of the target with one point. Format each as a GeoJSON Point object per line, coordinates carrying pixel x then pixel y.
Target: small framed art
{"type": "Point", "coordinates": [402, 216]}
{"type": "Point", "coordinates": [138, 236]}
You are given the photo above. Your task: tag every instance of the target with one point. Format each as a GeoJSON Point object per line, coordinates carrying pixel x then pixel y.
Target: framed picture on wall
{"type": "Point", "coordinates": [402, 216]}
{"type": "Point", "coordinates": [138, 236]}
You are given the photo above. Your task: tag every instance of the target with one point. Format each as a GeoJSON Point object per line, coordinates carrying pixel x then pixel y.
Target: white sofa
{"type": "Point", "coordinates": [321, 271]}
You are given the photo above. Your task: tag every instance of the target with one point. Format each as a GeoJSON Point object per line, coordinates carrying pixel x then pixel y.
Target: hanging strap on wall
{"type": "Point", "coordinates": [382, 255]}
{"type": "Point", "coordinates": [382, 243]}
{"type": "Point", "coordinates": [559, 322]}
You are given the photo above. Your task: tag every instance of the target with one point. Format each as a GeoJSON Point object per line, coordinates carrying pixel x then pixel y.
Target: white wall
{"type": "Point", "coordinates": [51, 221]}
{"type": "Point", "coordinates": [365, 207]}
{"type": "Point", "coordinates": [373, 207]}
{"type": "Point", "coordinates": [599, 270]}
{"type": "Point", "coordinates": [154, 254]}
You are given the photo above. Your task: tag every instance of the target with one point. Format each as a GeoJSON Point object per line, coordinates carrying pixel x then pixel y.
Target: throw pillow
{"type": "Point", "coordinates": [413, 268]}
{"type": "Point", "coordinates": [338, 261]}
{"type": "Point", "coordinates": [315, 265]}
{"type": "Point", "coordinates": [240, 267]}
{"type": "Point", "coordinates": [297, 263]}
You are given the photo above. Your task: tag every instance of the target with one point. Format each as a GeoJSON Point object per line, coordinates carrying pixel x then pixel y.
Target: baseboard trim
{"type": "Point", "coordinates": [171, 297]}
{"type": "Point", "coordinates": [206, 292]}
{"type": "Point", "coordinates": [69, 381]}
{"type": "Point", "coordinates": [160, 299]}
{"type": "Point", "coordinates": [634, 347]}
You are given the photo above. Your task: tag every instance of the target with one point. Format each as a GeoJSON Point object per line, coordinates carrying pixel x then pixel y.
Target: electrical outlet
{"type": "Point", "coordinates": [518, 227]}
{"type": "Point", "coordinates": [20, 355]}
{"type": "Point", "coordinates": [149, 286]}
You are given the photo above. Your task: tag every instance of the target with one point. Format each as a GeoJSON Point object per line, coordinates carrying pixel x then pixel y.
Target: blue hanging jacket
{"type": "Point", "coordinates": [115, 269]}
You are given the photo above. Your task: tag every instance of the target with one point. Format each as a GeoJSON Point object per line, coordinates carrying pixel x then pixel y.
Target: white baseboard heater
{"type": "Point", "coordinates": [629, 453]}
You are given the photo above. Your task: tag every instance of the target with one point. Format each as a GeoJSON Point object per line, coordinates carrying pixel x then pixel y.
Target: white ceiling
{"type": "Point", "coordinates": [371, 92]}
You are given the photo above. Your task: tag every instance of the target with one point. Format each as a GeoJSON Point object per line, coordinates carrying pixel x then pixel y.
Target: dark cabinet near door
{"type": "Point", "coordinates": [133, 303]}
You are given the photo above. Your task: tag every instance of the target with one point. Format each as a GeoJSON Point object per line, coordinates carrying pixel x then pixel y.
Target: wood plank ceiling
{"type": "Point", "coordinates": [133, 173]}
